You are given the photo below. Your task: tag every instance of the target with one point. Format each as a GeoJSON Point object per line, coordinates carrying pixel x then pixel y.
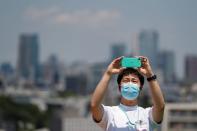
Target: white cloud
{"type": "Point", "coordinates": [39, 14]}
{"type": "Point", "coordinates": [77, 17]}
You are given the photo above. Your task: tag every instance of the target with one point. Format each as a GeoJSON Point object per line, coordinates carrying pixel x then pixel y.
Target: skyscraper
{"type": "Point", "coordinates": [166, 62]}
{"type": "Point", "coordinates": [190, 68]}
{"type": "Point", "coordinates": [117, 50]}
{"type": "Point", "coordinates": [148, 46]}
{"type": "Point", "coordinates": [28, 56]}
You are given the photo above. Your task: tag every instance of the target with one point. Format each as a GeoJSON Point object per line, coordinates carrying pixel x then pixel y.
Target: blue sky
{"type": "Point", "coordinates": [85, 29]}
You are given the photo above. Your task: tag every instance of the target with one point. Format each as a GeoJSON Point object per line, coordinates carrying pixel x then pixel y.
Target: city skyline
{"type": "Point", "coordinates": [91, 27]}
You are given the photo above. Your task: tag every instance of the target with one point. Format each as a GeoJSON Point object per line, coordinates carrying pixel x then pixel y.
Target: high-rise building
{"type": "Point", "coordinates": [28, 56]}
{"type": "Point", "coordinates": [166, 62]}
{"type": "Point", "coordinates": [95, 74]}
{"type": "Point", "coordinates": [76, 84]}
{"type": "Point", "coordinates": [52, 70]}
{"type": "Point", "coordinates": [117, 50]}
{"type": "Point", "coordinates": [148, 46]}
{"type": "Point", "coordinates": [7, 71]}
{"type": "Point", "coordinates": [190, 68]}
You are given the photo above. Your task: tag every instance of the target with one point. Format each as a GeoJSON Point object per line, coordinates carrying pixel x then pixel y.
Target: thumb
{"type": "Point", "coordinates": [122, 68]}
{"type": "Point", "coordinates": [141, 70]}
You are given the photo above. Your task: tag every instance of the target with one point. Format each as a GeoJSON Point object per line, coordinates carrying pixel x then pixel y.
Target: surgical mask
{"type": "Point", "coordinates": [130, 91]}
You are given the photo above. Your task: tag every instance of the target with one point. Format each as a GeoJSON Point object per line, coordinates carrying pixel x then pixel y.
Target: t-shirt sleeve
{"type": "Point", "coordinates": [105, 118]}
{"type": "Point", "coordinates": [153, 123]}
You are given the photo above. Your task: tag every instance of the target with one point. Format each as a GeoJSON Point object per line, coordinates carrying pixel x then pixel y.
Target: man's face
{"type": "Point", "coordinates": [130, 78]}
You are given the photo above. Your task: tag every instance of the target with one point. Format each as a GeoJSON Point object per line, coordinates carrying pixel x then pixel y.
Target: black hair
{"type": "Point", "coordinates": [128, 71]}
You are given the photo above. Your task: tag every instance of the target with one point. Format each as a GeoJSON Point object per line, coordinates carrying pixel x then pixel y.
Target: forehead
{"type": "Point", "coordinates": [129, 76]}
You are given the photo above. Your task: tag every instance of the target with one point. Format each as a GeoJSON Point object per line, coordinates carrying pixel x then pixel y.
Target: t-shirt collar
{"type": "Point", "coordinates": [128, 108]}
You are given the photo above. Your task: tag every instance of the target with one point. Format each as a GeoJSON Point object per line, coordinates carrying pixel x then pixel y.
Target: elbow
{"type": "Point", "coordinates": [93, 104]}
{"type": "Point", "coordinates": [162, 107]}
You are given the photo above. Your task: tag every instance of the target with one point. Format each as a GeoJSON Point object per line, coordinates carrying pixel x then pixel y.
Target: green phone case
{"type": "Point", "coordinates": [131, 62]}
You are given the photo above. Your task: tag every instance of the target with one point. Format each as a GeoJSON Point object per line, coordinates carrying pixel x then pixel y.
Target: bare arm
{"type": "Point", "coordinates": [156, 94]}
{"type": "Point", "coordinates": [97, 97]}
{"type": "Point", "coordinates": [158, 101]}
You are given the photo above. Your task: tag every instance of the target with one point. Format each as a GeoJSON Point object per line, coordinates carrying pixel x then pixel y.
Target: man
{"type": "Point", "coordinates": [128, 116]}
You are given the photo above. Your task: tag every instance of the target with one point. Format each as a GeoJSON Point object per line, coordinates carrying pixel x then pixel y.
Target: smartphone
{"type": "Point", "coordinates": [131, 62]}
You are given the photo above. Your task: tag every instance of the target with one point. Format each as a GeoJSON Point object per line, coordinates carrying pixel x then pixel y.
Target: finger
{"type": "Point", "coordinates": [143, 58]}
{"type": "Point", "coordinates": [119, 58]}
{"type": "Point", "coordinates": [144, 63]}
{"type": "Point", "coordinates": [139, 70]}
{"type": "Point", "coordinates": [118, 70]}
{"type": "Point", "coordinates": [122, 68]}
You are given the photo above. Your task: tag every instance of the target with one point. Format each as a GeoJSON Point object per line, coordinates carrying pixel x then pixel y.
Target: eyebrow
{"type": "Point", "coordinates": [133, 78]}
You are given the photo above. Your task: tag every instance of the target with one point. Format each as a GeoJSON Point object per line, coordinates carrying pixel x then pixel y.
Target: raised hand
{"type": "Point", "coordinates": [145, 69]}
{"type": "Point", "coordinates": [115, 66]}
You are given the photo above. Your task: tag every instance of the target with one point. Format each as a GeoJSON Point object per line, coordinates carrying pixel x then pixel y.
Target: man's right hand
{"type": "Point", "coordinates": [115, 66]}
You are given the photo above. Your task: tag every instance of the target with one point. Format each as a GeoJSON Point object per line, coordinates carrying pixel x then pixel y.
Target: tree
{"type": "Point", "coordinates": [11, 111]}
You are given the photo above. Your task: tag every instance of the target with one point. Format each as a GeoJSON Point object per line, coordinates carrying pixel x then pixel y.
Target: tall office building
{"type": "Point", "coordinates": [117, 50]}
{"type": "Point", "coordinates": [190, 68]}
{"type": "Point", "coordinates": [166, 62]}
{"type": "Point", "coordinates": [7, 71]}
{"type": "Point", "coordinates": [148, 46]}
{"type": "Point", "coordinates": [28, 56]}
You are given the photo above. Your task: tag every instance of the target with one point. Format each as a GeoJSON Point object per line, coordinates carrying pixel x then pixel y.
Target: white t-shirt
{"type": "Point", "coordinates": [127, 118]}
